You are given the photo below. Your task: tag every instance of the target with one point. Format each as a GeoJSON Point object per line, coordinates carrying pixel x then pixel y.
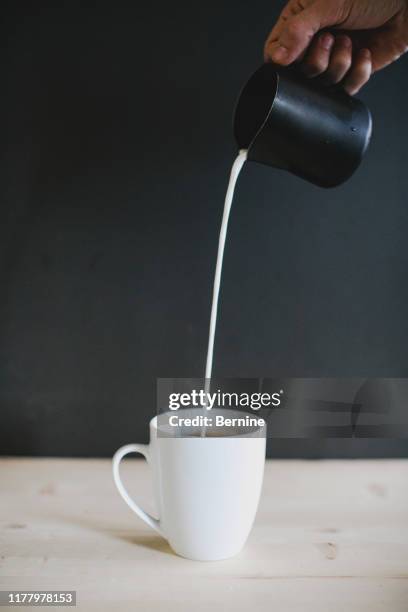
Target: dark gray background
{"type": "Point", "coordinates": [115, 160]}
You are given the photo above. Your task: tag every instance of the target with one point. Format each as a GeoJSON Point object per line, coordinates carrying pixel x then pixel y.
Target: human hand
{"type": "Point", "coordinates": [372, 34]}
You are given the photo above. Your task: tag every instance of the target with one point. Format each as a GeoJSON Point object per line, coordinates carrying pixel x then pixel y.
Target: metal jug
{"type": "Point", "coordinates": [288, 121]}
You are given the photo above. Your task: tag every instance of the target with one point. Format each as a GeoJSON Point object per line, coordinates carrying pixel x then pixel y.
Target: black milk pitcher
{"type": "Point", "coordinates": [288, 121]}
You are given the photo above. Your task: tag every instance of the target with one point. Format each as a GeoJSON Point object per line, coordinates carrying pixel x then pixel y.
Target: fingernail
{"type": "Point", "coordinates": [351, 90]}
{"type": "Point", "coordinates": [279, 54]}
{"type": "Point", "coordinates": [327, 41]}
{"type": "Point", "coordinates": [345, 41]}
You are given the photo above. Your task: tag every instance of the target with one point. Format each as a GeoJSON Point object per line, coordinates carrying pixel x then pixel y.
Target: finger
{"type": "Point", "coordinates": [360, 72]}
{"type": "Point", "coordinates": [318, 56]}
{"type": "Point", "coordinates": [297, 33]}
{"type": "Point", "coordinates": [385, 49]}
{"type": "Point", "coordinates": [340, 60]}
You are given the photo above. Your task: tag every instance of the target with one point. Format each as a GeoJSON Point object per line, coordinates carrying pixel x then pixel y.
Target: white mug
{"type": "Point", "coordinates": [206, 489]}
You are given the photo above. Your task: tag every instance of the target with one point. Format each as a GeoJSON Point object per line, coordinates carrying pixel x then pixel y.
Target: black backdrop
{"type": "Point", "coordinates": [117, 148]}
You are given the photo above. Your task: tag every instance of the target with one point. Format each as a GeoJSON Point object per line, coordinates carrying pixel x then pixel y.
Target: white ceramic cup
{"type": "Point", "coordinates": [206, 489]}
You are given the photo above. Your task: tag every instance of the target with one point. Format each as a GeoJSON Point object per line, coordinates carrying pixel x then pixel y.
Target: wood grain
{"type": "Point", "coordinates": [329, 536]}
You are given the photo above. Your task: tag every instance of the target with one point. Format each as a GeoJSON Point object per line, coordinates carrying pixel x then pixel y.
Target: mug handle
{"type": "Point", "coordinates": [143, 449]}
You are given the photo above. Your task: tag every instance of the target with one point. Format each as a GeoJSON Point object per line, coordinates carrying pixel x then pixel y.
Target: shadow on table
{"type": "Point", "coordinates": [149, 541]}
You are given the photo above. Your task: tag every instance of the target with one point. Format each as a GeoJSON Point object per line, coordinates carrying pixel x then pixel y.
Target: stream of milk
{"type": "Point", "coordinates": [236, 169]}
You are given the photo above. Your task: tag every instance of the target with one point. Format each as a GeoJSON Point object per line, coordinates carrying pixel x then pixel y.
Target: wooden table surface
{"type": "Point", "coordinates": [329, 536]}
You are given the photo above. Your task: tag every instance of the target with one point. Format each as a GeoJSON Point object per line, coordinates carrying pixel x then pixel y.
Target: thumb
{"type": "Point", "coordinates": [297, 33]}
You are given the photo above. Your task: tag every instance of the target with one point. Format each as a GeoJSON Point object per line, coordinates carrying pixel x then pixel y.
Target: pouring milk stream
{"type": "Point", "coordinates": [235, 171]}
